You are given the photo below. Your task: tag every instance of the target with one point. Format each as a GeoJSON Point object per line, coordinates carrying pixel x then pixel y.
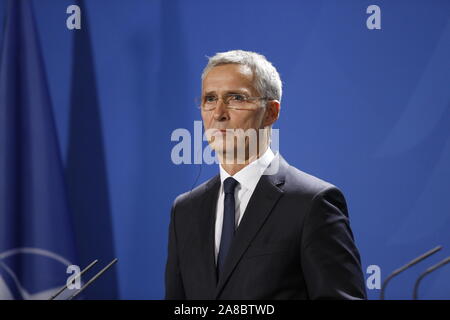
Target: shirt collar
{"type": "Point", "coordinates": [249, 176]}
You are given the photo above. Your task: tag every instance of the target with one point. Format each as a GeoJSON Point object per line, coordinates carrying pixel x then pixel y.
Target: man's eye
{"type": "Point", "coordinates": [238, 97]}
{"type": "Point", "coordinates": [210, 98]}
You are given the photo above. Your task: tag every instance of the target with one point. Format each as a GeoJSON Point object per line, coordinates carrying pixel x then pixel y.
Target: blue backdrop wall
{"type": "Point", "coordinates": [368, 110]}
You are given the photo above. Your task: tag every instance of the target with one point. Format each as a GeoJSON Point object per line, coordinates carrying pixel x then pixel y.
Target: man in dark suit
{"type": "Point", "coordinates": [260, 229]}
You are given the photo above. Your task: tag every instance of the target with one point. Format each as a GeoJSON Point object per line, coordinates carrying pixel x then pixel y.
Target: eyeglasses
{"type": "Point", "coordinates": [236, 101]}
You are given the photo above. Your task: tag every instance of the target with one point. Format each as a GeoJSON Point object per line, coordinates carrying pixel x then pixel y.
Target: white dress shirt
{"type": "Point", "coordinates": [248, 178]}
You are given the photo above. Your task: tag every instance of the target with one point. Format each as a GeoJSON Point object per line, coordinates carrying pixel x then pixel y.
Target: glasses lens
{"type": "Point", "coordinates": [209, 102]}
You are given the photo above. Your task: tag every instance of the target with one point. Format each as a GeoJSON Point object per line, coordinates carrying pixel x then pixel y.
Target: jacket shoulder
{"type": "Point", "coordinates": [300, 182]}
{"type": "Point", "coordinates": [194, 196]}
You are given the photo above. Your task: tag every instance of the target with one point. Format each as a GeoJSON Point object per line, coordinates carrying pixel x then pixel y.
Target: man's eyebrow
{"type": "Point", "coordinates": [237, 91]}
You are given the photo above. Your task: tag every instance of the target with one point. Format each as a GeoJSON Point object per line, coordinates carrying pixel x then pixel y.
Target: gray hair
{"type": "Point", "coordinates": [266, 78]}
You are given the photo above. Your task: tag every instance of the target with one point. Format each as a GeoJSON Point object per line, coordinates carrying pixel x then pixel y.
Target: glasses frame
{"type": "Point", "coordinates": [227, 102]}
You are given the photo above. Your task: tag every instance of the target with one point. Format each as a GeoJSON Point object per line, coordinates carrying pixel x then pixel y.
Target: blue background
{"type": "Point", "coordinates": [368, 110]}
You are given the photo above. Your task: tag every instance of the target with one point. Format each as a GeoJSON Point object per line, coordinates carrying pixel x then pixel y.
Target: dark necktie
{"type": "Point", "coordinates": [228, 222]}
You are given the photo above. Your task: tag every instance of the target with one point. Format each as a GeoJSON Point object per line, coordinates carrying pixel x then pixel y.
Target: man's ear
{"type": "Point", "coordinates": [272, 112]}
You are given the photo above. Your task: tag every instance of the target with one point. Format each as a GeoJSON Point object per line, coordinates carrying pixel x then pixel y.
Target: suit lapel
{"type": "Point", "coordinates": [262, 201]}
{"type": "Point", "coordinates": [207, 232]}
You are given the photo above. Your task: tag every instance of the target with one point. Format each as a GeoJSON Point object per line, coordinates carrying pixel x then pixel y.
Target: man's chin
{"type": "Point", "coordinates": [218, 148]}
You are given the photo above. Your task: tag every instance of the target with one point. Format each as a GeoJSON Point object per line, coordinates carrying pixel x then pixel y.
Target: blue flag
{"type": "Point", "coordinates": [36, 237]}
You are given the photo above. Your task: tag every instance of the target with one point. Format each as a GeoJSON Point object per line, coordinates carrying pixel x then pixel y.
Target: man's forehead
{"type": "Point", "coordinates": [228, 77]}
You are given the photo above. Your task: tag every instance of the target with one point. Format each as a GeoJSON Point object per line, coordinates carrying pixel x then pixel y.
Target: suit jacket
{"type": "Point", "coordinates": [293, 242]}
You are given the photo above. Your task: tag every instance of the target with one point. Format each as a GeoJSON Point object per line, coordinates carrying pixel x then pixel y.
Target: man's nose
{"type": "Point", "coordinates": [221, 111]}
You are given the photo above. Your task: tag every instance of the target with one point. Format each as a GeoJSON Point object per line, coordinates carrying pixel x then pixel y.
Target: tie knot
{"type": "Point", "coordinates": [229, 185]}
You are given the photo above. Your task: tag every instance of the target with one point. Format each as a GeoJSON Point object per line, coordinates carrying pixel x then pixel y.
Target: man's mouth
{"type": "Point", "coordinates": [221, 131]}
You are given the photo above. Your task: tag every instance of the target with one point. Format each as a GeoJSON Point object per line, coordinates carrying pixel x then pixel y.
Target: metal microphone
{"type": "Point", "coordinates": [93, 279]}
{"type": "Point", "coordinates": [428, 271]}
{"type": "Point", "coordinates": [408, 265]}
{"type": "Point", "coordinates": [77, 276]}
